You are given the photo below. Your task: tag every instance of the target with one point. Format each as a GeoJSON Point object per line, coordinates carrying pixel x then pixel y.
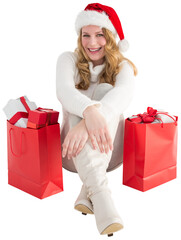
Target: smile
{"type": "Point", "coordinates": [94, 49]}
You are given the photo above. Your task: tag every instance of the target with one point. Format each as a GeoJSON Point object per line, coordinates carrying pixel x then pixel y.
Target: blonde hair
{"type": "Point", "coordinates": [113, 58]}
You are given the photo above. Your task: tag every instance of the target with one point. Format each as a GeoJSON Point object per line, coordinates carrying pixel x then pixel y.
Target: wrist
{"type": "Point", "coordinates": [88, 110]}
{"type": "Point", "coordinates": [82, 121]}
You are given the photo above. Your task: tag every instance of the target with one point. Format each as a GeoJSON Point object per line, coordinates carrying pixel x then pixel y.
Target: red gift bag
{"type": "Point", "coordinates": [150, 154]}
{"type": "Point", "coordinates": [34, 160]}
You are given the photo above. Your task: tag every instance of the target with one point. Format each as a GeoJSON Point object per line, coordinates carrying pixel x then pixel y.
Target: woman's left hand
{"type": "Point", "coordinates": [98, 129]}
{"type": "Point", "coordinates": [75, 140]}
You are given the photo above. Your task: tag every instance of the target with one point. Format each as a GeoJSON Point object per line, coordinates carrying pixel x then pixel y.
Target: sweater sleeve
{"type": "Point", "coordinates": [119, 97]}
{"type": "Point", "coordinates": [71, 98]}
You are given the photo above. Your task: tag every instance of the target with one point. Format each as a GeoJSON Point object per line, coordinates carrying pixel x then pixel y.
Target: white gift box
{"type": "Point", "coordinates": [15, 105]}
{"type": "Point", "coordinates": [165, 117]}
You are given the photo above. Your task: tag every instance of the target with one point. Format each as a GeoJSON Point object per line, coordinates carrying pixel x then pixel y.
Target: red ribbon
{"type": "Point", "coordinates": [25, 104]}
{"type": "Point", "coordinates": [19, 115]}
{"type": "Point", "coordinates": [149, 116]}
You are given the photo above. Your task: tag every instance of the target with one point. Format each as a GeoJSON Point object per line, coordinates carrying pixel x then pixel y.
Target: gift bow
{"type": "Point", "coordinates": [149, 116]}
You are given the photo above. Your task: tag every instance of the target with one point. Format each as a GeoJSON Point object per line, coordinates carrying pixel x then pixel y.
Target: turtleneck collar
{"type": "Point", "coordinates": [97, 69]}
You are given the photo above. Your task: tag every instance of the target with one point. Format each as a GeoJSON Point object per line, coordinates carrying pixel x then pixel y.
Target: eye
{"type": "Point", "coordinates": [100, 35]}
{"type": "Point", "coordinates": [85, 35]}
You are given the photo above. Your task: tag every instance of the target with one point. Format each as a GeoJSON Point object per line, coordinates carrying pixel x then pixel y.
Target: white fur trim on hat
{"type": "Point", "coordinates": [89, 17]}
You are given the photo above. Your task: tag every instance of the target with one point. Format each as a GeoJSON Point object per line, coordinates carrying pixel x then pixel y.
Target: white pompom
{"type": "Point", "coordinates": [123, 45]}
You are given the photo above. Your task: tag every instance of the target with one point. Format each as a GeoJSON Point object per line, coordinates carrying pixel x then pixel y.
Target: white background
{"type": "Point", "coordinates": [33, 34]}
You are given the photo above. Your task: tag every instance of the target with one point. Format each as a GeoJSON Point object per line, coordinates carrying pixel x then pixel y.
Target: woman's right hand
{"type": "Point", "coordinates": [98, 129]}
{"type": "Point", "coordinates": [75, 140]}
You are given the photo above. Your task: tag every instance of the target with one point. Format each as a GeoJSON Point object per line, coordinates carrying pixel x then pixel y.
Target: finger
{"type": "Point", "coordinates": [70, 148]}
{"type": "Point", "coordinates": [80, 147]}
{"type": "Point", "coordinates": [99, 142]}
{"type": "Point", "coordinates": [65, 147]}
{"type": "Point", "coordinates": [109, 140]}
{"type": "Point", "coordinates": [76, 145]}
{"type": "Point", "coordinates": [93, 141]}
{"type": "Point", "coordinates": [104, 142]}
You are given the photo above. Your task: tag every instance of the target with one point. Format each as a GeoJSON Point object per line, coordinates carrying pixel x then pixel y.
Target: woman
{"type": "Point", "coordinates": [95, 85]}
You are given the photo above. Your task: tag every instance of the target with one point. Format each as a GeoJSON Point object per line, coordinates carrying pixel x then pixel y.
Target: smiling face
{"type": "Point", "coordinates": [93, 42]}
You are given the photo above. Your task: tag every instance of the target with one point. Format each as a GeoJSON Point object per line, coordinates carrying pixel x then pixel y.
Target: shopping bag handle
{"type": "Point", "coordinates": [16, 155]}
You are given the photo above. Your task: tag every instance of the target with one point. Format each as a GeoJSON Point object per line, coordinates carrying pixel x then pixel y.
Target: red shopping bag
{"type": "Point", "coordinates": [150, 154]}
{"type": "Point", "coordinates": [34, 160]}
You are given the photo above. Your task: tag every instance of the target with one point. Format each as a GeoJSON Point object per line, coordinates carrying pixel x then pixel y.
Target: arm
{"type": "Point", "coordinates": [117, 99]}
{"type": "Point", "coordinates": [114, 102]}
{"type": "Point", "coordinates": [72, 100]}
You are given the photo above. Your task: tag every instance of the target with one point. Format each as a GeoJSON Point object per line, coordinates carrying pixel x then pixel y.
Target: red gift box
{"type": "Point", "coordinates": [34, 160]}
{"type": "Point", "coordinates": [41, 117]}
{"type": "Point", "coordinates": [150, 154]}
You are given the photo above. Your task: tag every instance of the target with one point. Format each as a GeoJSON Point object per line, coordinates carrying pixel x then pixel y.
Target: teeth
{"type": "Point", "coordinates": [94, 50]}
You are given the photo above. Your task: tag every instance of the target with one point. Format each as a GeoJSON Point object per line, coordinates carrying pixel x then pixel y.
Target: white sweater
{"type": "Point", "coordinates": [75, 101]}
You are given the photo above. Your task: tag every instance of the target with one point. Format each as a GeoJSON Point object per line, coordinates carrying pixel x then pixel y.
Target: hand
{"type": "Point", "coordinates": [98, 129]}
{"type": "Point", "coordinates": [75, 140]}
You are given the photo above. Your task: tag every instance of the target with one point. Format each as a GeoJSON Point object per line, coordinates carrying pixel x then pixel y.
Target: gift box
{"type": "Point", "coordinates": [16, 111]}
{"type": "Point", "coordinates": [41, 117]}
{"type": "Point", "coordinates": [34, 160]}
{"type": "Point", "coordinates": [150, 150]}
{"type": "Point", "coordinates": [153, 116]}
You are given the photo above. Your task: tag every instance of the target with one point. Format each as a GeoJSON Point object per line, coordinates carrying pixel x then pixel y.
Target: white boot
{"type": "Point", "coordinates": [83, 203]}
{"type": "Point", "coordinates": [107, 218]}
{"type": "Point", "coordinates": [91, 166]}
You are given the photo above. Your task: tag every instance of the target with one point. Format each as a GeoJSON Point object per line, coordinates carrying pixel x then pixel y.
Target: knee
{"type": "Point", "coordinates": [89, 159]}
{"type": "Point", "coordinates": [101, 90]}
{"type": "Point", "coordinates": [73, 120]}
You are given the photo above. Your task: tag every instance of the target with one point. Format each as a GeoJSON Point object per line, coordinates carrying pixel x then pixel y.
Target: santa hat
{"type": "Point", "coordinates": [105, 17]}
